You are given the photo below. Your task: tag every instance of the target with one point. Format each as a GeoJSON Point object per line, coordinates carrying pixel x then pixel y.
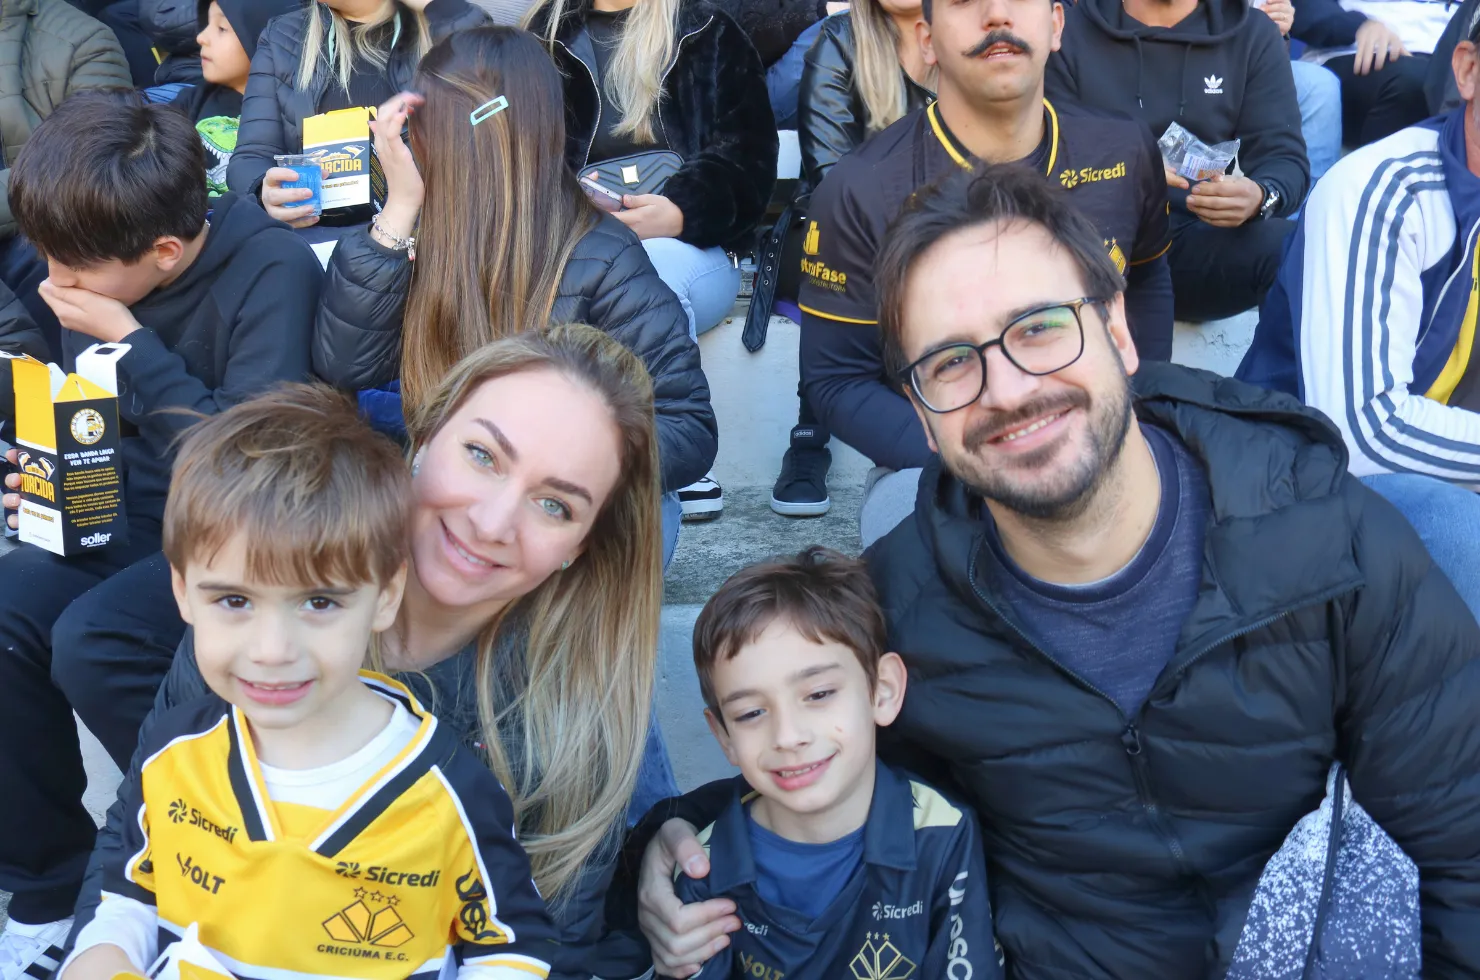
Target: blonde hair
{"type": "Point", "coordinates": [347, 42]}
{"type": "Point", "coordinates": [634, 75]}
{"type": "Point", "coordinates": [565, 725]}
{"type": "Point", "coordinates": [317, 495]}
{"type": "Point", "coordinates": [503, 212]}
{"type": "Point", "coordinates": [878, 77]}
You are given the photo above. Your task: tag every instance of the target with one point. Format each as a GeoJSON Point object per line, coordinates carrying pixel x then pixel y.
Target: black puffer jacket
{"type": "Point", "coordinates": [714, 112]}
{"type": "Point", "coordinates": [609, 283]}
{"type": "Point", "coordinates": [1130, 847]}
{"type": "Point", "coordinates": [831, 121]}
{"type": "Point", "coordinates": [274, 108]}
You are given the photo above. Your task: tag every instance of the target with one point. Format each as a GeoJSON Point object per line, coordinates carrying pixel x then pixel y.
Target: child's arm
{"type": "Point", "coordinates": [124, 934]}
{"type": "Point", "coordinates": [962, 942]}
{"type": "Point", "coordinates": [121, 938]}
{"type": "Point", "coordinates": [269, 342]}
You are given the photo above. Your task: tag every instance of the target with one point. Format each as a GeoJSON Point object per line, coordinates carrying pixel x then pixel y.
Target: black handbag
{"type": "Point", "coordinates": [636, 173]}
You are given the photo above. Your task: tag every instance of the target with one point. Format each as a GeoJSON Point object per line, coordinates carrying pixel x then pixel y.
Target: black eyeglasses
{"type": "Point", "coordinates": [1038, 342]}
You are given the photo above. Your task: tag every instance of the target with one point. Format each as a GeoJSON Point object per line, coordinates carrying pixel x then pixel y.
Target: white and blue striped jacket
{"type": "Point", "coordinates": [1372, 318]}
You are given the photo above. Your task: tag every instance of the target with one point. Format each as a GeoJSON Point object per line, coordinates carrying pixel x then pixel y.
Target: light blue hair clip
{"type": "Point", "coordinates": [488, 110]}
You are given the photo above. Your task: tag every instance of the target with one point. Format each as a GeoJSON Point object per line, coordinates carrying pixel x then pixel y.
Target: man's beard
{"type": "Point", "coordinates": [1070, 493]}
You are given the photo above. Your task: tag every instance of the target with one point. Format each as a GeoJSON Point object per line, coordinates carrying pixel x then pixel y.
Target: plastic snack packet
{"type": "Point", "coordinates": [310, 176]}
{"type": "Point", "coordinates": [188, 959]}
{"type": "Point", "coordinates": [1190, 157]}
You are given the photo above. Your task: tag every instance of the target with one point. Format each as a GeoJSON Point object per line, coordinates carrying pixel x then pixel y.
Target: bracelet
{"type": "Point", "coordinates": [407, 245]}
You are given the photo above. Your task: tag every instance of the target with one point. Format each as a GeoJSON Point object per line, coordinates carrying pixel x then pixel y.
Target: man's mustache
{"type": "Point", "coordinates": [999, 37]}
{"type": "Point", "coordinates": [1001, 422]}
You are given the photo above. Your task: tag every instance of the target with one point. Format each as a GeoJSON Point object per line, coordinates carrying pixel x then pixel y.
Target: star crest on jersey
{"type": "Point", "coordinates": [880, 959]}
{"type": "Point", "coordinates": [356, 923]}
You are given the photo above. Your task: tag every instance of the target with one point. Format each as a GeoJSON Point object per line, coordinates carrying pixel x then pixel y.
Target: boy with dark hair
{"type": "Point", "coordinates": [837, 864]}
{"type": "Point", "coordinates": [302, 777]}
{"type": "Point", "coordinates": [110, 191]}
{"type": "Point", "coordinates": [229, 30]}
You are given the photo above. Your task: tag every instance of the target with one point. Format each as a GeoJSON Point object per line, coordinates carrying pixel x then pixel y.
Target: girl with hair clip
{"type": "Point", "coordinates": [864, 72]}
{"type": "Point", "coordinates": [504, 240]}
{"type": "Point", "coordinates": [672, 96]}
{"type": "Point", "coordinates": [530, 620]}
{"type": "Point", "coordinates": [334, 54]}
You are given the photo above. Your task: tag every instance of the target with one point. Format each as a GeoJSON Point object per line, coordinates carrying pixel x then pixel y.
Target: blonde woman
{"type": "Point", "coordinates": [530, 623]}
{"type": "Point", "coordinates": [676, 75]}
{"type": "Point", "coordinates": [334, 54]}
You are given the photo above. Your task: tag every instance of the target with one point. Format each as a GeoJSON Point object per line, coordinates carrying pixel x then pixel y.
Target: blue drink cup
{"type": "Point", "coordinates": [310, 175]}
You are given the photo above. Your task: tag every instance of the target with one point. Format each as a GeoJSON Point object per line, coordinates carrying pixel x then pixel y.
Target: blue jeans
{"type": "Point", "coordinates": [705, 280]}
{"type": "Point", "coordinates": [1447, 519]}
{"type": "Point", "coordinates": [672, 521]}
{"type": "Point", "coordinates": [1319, 93]}
{"type": "Point", "coordinates": [784, 78]}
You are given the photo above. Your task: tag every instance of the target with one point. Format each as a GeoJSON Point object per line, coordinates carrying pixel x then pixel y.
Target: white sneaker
{"type": "Point", "coordinates": [702, 501]}
{"type": "Point", "coordinates": [32, 951]}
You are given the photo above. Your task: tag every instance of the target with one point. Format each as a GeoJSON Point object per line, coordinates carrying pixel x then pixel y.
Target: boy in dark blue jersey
{"type": "Point", "coordinates": [839, 866]}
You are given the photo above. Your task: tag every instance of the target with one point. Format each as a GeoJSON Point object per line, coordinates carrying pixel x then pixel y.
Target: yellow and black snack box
{"type": "Point", "coordinates": [67, 440]}
{"type": "Point", "coordinates": [353, 183]}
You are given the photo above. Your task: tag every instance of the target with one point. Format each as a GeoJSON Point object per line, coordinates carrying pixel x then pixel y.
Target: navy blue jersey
{"type": "Point", "coordinates": [916, 907]}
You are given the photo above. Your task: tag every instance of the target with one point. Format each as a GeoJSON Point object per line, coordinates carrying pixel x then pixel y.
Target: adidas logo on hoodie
{"type": "Point", "coordinates": [1214, 85]}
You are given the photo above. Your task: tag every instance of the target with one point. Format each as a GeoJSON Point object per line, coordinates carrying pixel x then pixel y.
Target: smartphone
{"type": "Point", "coordinates": [607, 200]}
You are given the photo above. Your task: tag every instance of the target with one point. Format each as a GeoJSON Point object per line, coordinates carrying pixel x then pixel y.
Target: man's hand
{"type": "Point", "coordinates": [651, 216]}
{"type": "Point", "coordinates": [281, 195]}
{"type": "Point", "coordinates": [682, 936]}
{"type": "Point", "coordinates": [1282, 12]}
{"type": "Point", "coordinates": [1174, 179]}
{"type": "Point", "coordinates": [1225, 201]}
{"type": "Point", "coordinates": [99, 317]}
{"type": "Point", "coordinates": [12, 501]}
{"type": "Point", "coordinates": [1377, 44]}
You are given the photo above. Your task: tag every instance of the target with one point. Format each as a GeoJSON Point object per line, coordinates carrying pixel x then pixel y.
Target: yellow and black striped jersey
{"type": "Point", "coordinates": [415, 874]}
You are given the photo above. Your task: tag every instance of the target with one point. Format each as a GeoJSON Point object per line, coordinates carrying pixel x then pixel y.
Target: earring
{"type": "Point", "coordinates": [416, 463]}
{"type": "Point", "coordinates": [564, 565]}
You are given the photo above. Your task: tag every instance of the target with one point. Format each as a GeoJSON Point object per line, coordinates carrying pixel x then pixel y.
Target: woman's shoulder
{"type": "Point", "coordinates": [284, 33]}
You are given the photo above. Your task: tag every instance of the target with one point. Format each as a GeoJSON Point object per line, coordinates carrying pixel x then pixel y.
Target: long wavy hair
{"type": "Point", "coordinates": [634, 76]}
{"type": "Point", "coordinates": [878, 77]}
{"type": "Point", "coordinates": [566, 723]}
{"type": "Point", "coordinates": [502, 212]}
{"type": "Point", "coordinates": [340, 42]}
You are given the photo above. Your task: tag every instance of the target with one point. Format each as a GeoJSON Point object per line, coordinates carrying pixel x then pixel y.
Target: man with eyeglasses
{"type": "Point", "coordinates": [1143, 616]}
{"type": "Point", "coordinates": [990, 57]}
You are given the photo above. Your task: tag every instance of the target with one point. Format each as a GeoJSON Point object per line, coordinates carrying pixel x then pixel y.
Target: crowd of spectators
{"type": "Point", "coordinates": [1150, 625]}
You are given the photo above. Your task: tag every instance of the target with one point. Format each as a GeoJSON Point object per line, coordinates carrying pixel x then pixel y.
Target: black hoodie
{"type": "Point", "coordinates": [237, 321]}
{"type": "Point", "coordinates": [1223, 73]}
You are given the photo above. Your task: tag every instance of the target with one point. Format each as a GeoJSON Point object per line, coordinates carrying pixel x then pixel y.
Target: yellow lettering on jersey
{"type": "Point", "coordinates": [809, 243]}
{"type": "Point", "coordinates": [752, 967]}
{"type": "Point", "coordinates": [823, 277]}
{"type": "Point", "coordinates": [1091, 175]}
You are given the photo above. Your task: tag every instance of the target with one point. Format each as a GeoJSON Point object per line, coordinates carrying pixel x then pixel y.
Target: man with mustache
{"type": "Point", "coordinates": [1221, 71]}
{"type": "Point", "coordinates": [990, 57]}
{"type": "Point", "coordinates": [1143, 611]}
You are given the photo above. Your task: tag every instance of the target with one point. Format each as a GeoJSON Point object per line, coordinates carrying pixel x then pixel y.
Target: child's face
{"type": "Point", "coordinates": [282, 654]}
{"type": "Point", "coordinates": [223, 60]}
{"type": "Point", "coordinates": [799, 721]}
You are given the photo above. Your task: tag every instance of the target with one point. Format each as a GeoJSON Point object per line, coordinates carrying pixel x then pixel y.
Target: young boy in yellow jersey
{"type": "Point", "coordinates": [309, 818]}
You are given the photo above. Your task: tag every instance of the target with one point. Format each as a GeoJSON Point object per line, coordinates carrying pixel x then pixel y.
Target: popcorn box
{"type": "Point", "coordinates": [66, 434]}
{"type": "Point", "coordinates": [341, 143]}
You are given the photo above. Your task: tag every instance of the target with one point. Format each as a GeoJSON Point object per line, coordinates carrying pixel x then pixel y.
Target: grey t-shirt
{"type": "Point", "coordinates": [1120, 632]}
